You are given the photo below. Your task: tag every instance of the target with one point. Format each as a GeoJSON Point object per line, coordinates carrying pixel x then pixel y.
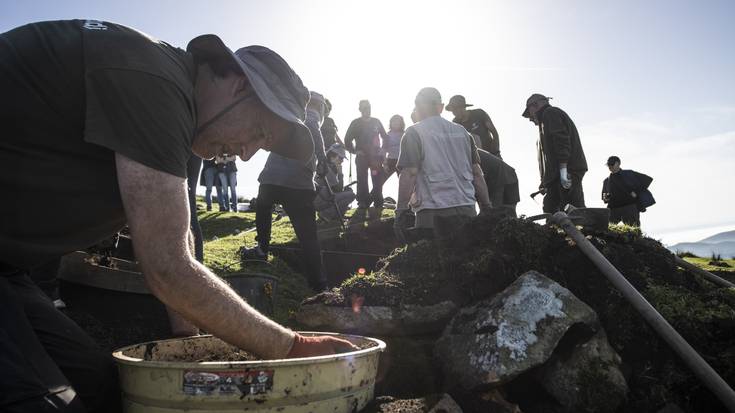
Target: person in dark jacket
{"type": "Point", "coordinates": [501, 180]}
{"type": "Point", "coordinates": [562, 163]}
{"type": "Point", "coordinates": [626, 193]}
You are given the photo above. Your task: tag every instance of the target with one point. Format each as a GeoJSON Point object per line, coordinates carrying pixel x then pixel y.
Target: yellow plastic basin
{"type": "Point", "coordinates": [336, 383]}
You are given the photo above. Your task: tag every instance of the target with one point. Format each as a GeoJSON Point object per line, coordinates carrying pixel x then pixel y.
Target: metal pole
{"type": "Point", "coordinates": [691, 358]}
{"type": "Point", "coordinates": [704, 274]}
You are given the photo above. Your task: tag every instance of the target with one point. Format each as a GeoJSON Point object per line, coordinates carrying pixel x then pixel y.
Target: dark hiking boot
{"type": "Point", "coordinates": [255, 253]}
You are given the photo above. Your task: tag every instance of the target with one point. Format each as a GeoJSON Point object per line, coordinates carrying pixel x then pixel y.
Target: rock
{"type": "Point", "coordinates": [408, 319]}
{"type": "Point", "coordinates": [446, 405]}
{"type": "Point", "coordinates": [407, 367]}
{"type": "Point", "coordinates": [586, 379]}
{"type": "Point", "coordinates": [497, 339]}
{"type": "Point", "coordinates": [492, 401]}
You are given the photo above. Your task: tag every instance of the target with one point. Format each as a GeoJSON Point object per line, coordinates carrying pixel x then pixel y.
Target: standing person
{"type": "Point", "coordinates": [120, 113]}
{"type": "Point", "coordinates": [209, 179]}
{"type": "Point", "coordinates": [366, 132]}
{"type": "Point", "coordinates": [477, 122]}
{"type": "Point", "coordinates": [626, 193]}
{"type": "Point", "coordinates": [220, 161]}
{"type": "Point", "coordinates": [562, 163]}
{"type": "Point", "coordinates": [392, 145]}
{"type": "Point", "coordinates": [440, 168]}
{"type": "Point", "coordinates": [227, 170]}
{"type": "Point", "coordinates": [501, 181]}
{"type": "Point", "coordinates": [291, 183]}
{"type": "Point", "coordinates": [329, 128]}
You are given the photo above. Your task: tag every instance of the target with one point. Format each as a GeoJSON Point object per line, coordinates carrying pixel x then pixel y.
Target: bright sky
{"type": "Point", "coordinates": [651, 82]}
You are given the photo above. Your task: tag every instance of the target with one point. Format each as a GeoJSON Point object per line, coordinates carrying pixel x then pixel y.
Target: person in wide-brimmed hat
{"type": "Point", "coordinates": [100, 121]}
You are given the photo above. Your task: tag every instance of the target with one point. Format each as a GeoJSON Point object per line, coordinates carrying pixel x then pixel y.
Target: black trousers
{"type": "Point", "coordinates": [365, 196]}
{"type": "Point", "coordinates": [628, 214]}
{"type": "Point", "coordinates": [47, 362]}
{"type": "Point", "coordinates": [299, 205]}
{"type": "Point", "coordinates": [557, 198]}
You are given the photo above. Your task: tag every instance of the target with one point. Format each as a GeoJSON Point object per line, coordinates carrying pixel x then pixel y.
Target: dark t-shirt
{"type": "Point", "coordinates": [412, 153]}
{"type": "Point", "coordinates": [74, 93]}
{"type": "Point", "coordinates": [366, 133]}
{"type": "Point", "coordinates": [477, 123]}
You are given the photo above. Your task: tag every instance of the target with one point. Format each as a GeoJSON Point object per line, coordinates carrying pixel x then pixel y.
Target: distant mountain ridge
{"type": "Point", "coordinates": [721, 237]}
{"type": "Point", "coordinates": [720, 244]}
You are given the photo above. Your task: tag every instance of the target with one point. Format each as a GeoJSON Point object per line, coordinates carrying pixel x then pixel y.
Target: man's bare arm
{"type": "Point", "coordinates": [160, 231]}
{"type": "Point", "coordinates": [406, 186]}
{"type": "Point", "coordinates": [481, 193]}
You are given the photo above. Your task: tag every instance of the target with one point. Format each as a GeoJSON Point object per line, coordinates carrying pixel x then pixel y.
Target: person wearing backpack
{"type": "Point", "coordinates": [626, 193]}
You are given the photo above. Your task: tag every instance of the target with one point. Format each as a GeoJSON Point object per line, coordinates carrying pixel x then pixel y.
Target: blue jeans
{"type": "Point", "coordinates": [229, 180]}
{"type": "Point", "coordinates": [209, 175]}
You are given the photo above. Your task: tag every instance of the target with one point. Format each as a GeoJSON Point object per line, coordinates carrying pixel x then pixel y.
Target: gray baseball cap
{"type": "Point", "coordinates": [278, 87]}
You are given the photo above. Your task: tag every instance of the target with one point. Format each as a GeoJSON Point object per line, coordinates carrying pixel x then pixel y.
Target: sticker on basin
{"type": "Point", "coordinates": [224, 383]}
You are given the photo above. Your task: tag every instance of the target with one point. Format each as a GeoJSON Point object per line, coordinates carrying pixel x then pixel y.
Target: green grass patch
{"type": "Point", "coordinates": [224, 235]}
{"type": "Point", "coordinates": [704, 263]}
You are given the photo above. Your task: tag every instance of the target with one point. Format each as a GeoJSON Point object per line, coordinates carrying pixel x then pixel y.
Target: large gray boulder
{"type": "Point", "coordinates": [400, 320]}
{"type": "Point", "coordinates": [586, 378]}
{"type": "Point", "coordinates": [492, 342]}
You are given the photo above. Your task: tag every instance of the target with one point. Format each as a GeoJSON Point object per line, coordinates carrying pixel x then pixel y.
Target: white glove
{"type": "Point", "coordinates": [566, 180]}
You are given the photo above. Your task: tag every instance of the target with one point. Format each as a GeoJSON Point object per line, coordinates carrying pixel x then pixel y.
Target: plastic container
{"type": "Point", "coordinates": [335, 383]}
{"type": "Point", "coordinates": [257, 289]}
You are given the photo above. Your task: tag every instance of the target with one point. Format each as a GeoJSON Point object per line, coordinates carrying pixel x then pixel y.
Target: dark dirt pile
{"type": "Point", "coordinates": [488, 254]}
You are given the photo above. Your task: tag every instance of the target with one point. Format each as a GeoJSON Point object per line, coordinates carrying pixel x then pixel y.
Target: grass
{"type": "Point", "coordinates": [704, 264]}
{"type": "Point", "coordinates": [224, 234]}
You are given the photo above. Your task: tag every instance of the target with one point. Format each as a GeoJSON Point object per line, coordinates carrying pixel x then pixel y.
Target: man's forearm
{"type": "Point", "coordinates": [208, 302]}
{"type": "Point", "coordinates": [406, 186]}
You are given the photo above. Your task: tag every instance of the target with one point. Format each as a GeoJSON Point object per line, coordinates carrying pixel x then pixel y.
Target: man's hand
{"type": "Point", "coordinates": [485, 210]}
{"type": "Point", "coordinates": [566, 180]}
{"type": "Point", "coordinates": [304, 346]}
{"type": "Point", "coordinates": [401, 223]}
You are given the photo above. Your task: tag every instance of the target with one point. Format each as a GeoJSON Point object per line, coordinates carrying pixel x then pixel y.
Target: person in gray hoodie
{"type": "Point", "coordinates": [291, 183]}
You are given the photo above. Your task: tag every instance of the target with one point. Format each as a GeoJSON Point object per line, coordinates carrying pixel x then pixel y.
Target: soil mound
{"type": "Point", "coordinates": [484, 256]}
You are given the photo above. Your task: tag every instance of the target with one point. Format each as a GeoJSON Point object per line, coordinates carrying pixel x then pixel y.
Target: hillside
{"type": "Point", "coordinates": [720, 244]}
